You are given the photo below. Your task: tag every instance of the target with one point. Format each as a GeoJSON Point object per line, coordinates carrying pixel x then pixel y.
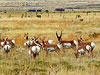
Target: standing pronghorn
{"type": "Point", "coordinates": [91, 44]}
{"type": "Point", "coordinates": [51, 47]}
{"type": "Point", "coordinates": [11, 42]}
{"type": "Point", "coordinates": [2, 42]}
{"type": "Point", "coordinates": [66, 44]}
{"type": "Point", "coordinates": [83, 49]}
{"type": "Point", "coordinates": [34, 48]}
{"type": "Point", "coordinates": [6, 47]}
{"type": "Point", "coordinates": [27, 42]}
{"type": "Point", "coordinates": [47, 41]}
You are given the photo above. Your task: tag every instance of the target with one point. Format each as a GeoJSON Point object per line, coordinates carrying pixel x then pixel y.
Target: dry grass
{"type": "Point", "coordinates": [18, 61]}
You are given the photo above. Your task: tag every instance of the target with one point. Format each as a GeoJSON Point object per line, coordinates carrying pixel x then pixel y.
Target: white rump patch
{"type": "Point", "coordinates": [29, 42]}
{"type": "Point", "coordinates": [92, 45]}
{"type": "Point", "coordinates": [50, 41]}
{"type": "Point", "coordinates": [35, 49]}
{"type": "Point", "coordinates": [2, 43]}
{"type": "Point", "coordinates": [59, 45]}
{"type": "Point", "coordinates": [7, 47]}
{"type": "Point", "coordinates": [67, 45]}
{"type": "Point", "coordinates": [25, 44]}
{"type": "Point", "coordinates": [75, 42]}
{"type": "Point", "coordinates": [13, 41]}
{"type": "Point", "coordinates": [81, 51]}
{"type": "Point", "coordinates": [50, 49]}
{"type": "Point", "coordinates": [29, 52]}
{"type": "Point", "coordinates": [7, 43]}
{"type": "Point", "coordinates": [38, 49]}
{"type": "Point", "coordinates": [88, 47]}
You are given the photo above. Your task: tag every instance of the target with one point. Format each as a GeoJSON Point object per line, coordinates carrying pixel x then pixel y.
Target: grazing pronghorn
{"type": "Point", "coordinates": [83, 49]}
{"type": "Point", "coordinates": [91, 44]}
{"type": "Point", "coordinates": [6, 47]}
{"type": "Point", "coordinates": [66, 44]}
{"type": "Point", "coordinates": [27, 42]}
{"type": "Point", "coordinates": [51, 47]}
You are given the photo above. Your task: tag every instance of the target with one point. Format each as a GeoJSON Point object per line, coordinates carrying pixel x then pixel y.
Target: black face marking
{"type": "Point", "coordinates": [59, 37]}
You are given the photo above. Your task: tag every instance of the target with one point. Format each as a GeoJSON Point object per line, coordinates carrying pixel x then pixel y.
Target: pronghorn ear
{"type": "Point", "coordinates": [3, 39]}
{"type": "Point", "coordinates": [56, 34]}
{"type": "Point", "coordinates": [61, 34]}
{"type": "Point", "coordinates": [32, 39]}
{"type": "Point", "coordinates": [25, 34]}
{"type": "Point", "coordinates": [36, 38]}
{"type": "Point", "coordinates": [6, 38]}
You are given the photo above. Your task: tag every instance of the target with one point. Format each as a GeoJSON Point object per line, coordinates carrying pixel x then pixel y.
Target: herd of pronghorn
{"type": "Point", "coordinates": [34, 46]}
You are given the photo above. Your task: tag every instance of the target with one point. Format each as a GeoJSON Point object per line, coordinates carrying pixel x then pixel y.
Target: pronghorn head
{"type": "Point", "coordinates": [80, 39]}
{"type": "Point", "coordinates": [34, 38]}
{"type": "Point", "coordinates": [5, 41]}
{"type": "Point", "coordinates": [59, 37]}
{"type": "Point", "coordinates": [26, 36]}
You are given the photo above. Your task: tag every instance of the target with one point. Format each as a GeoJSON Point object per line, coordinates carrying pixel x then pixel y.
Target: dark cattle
{"type": "Point", "coordinates": [39, 10]}
{"type": "Point", "coordinates": [81, 19]}
{"type": "Point", "coordinates": [46, 11]}
{"type": "Point", "coordinates": [31, 10]}
{"type": "Point", "coordinates": [78, 16]}
{"type": "Point", "coordinates": [39, 16]}
{"type": "Point", "coordinates": [59, 9]}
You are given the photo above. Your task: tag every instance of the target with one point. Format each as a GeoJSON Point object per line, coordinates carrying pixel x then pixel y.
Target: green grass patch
{"type": "Point", "coordinates": [38, 69]}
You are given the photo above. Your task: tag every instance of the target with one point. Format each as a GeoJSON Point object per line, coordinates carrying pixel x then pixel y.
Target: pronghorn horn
{"type": "Point", "coordinates": [61, 34]}
{"type": "Point", "coordinates": [81, 36]}
{"type": "Point", "coordinates": [57, 34]}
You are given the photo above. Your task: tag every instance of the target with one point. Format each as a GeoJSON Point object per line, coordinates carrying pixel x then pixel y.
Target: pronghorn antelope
{"type": "Point", "coordinates": [83, 49]}
{"type": "Point", "coordinates": [51, 47]}
{"type": "Point", "coordinates": [34, 49]}
{"type": "Point", "coordinates": [66, 44]}
{"type": "Point", "coordinates": [91, 44]}
{"type": "Point", "coordinates": [2, 42]}
{"type": "Point", "coordinates": [6, 47]}
{"type": "Point", "coordinates": [47, 42]}
{"type": "Point", "coordinates": [27, 42]}
{"type": "Point", "coordinates": [11, 42]}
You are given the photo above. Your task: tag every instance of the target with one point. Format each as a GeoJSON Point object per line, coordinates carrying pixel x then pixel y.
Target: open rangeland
{"type": "Point", "coordinates": [13, 26]}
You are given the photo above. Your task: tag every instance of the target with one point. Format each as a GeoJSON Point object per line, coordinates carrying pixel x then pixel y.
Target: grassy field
{"type": "Point", "coordinates": [18, 60]}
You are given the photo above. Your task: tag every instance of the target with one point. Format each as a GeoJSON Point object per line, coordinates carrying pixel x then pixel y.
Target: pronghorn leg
{"type": "Point", "coordinates": [46, 52]}
{"type": "Point", "coordinates": [73, 48]}
{"type": "Point", "coordinates": [30, 57]}
{"type": "Point", "coordinates": [88, 54]}
{"type": "Point", "coordinates": [64, 50]}
{"type": "Point", "coordinates": [34, 55]}
{"type": "Point", "coordinates": [77, 54]}
{"type": "Point", "coordinates": [92, 53]}
{"type": "Point", "coordinates": [57, 52]}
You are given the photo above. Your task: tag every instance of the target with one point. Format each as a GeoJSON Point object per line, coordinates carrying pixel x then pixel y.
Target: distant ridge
{"type": "Point", "coordinates": [49, 4]}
